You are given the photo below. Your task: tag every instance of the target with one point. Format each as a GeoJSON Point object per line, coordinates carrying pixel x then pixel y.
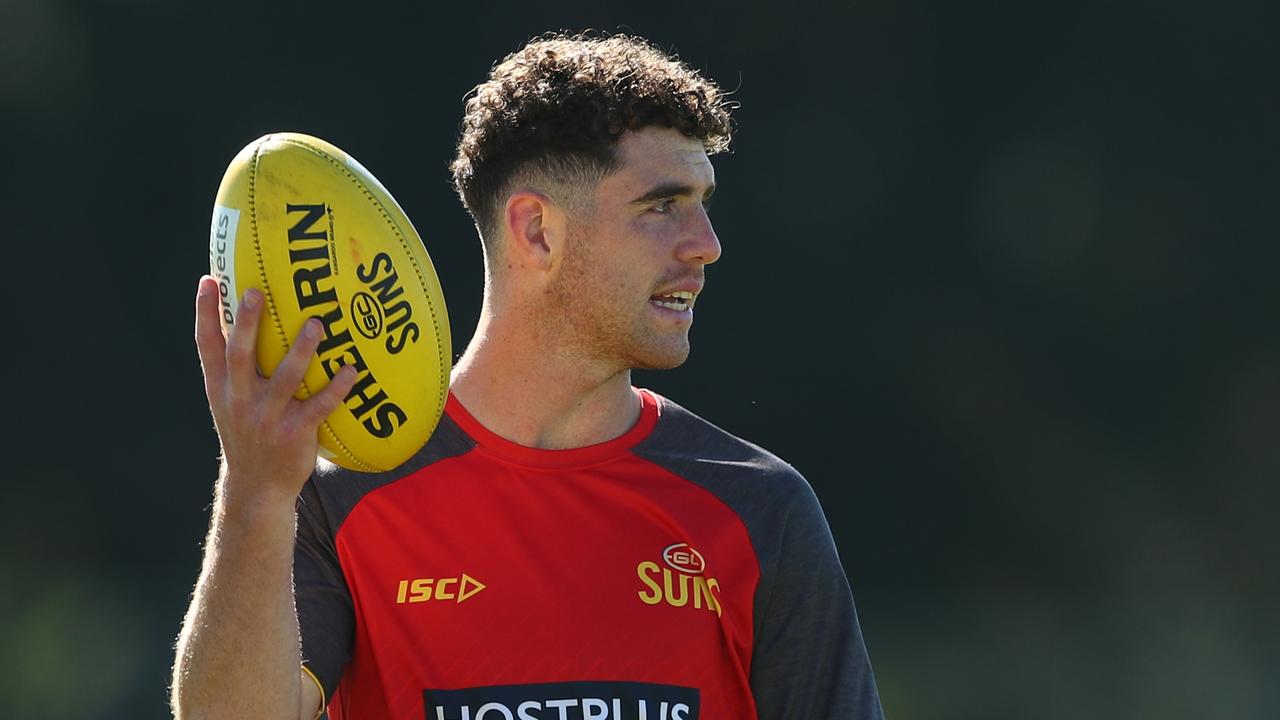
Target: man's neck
{"type": "Point", "coordinates": [537, 394]}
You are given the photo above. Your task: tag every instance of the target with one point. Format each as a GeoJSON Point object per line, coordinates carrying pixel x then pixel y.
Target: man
{"type": "Point", "coordinates": [565, 545]}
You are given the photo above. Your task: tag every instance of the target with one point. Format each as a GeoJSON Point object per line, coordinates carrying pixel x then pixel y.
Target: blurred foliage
{"type": "Point", "coordinates": [999, 278]}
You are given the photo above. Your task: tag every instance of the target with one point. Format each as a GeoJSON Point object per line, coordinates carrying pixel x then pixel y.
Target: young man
{"type": "Point", "coordinates": [565, 546]}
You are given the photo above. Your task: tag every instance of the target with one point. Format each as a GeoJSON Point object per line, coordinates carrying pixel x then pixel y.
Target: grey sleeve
{"type": "Point", "coordinates": [326, 618]}
{"type": "Point", "coordinates": [326, 614]}
{"type": "Point", "coordinates": [810, 660]}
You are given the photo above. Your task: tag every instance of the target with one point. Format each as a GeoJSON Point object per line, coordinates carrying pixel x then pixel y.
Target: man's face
{"type": "Point", "coordinates": [634, 261]}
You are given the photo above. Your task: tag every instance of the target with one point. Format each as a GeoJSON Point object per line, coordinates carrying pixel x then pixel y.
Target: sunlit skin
{"type": "Point", "coordinates": [572, 293]}
{"type": "Point", "coordinates": [648, 235]}
{"type": "Point", "coordinates": [269, 447]}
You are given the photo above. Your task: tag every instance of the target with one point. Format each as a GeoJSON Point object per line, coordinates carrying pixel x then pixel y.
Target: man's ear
{"type": "Point", "coordinates": [536, 226]}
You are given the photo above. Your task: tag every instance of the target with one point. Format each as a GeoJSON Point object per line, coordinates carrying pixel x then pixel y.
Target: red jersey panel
{"type": "Point", "coordinates": [673, 573]}
{"type": "Point", "coordinates": [507, 565]}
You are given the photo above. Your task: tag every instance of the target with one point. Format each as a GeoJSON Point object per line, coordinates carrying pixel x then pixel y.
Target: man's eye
{"type": "Point", "coordinates": [665, 206]}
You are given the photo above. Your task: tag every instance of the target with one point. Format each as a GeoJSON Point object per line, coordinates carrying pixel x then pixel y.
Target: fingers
{"type": "Point", "coordinates": [322, 404]}
{"type": "Point", "coordinates": [292, 369]}
{"type": "Point", "coordinates": [242, 361]}
{"type": "Point", "coordinates": [289, 373]}
{"type": "Point", "coordinates": [230, 362]}
{"type": "Point", "coordinates": [209, 340]}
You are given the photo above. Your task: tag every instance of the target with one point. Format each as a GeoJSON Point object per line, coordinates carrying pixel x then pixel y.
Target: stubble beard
{"type": "Point", "coordinates": [586, 318]}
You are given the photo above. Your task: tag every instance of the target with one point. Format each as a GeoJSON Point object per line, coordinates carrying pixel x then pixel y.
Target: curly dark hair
{"type": "Point", "coordinates": [559, 106]}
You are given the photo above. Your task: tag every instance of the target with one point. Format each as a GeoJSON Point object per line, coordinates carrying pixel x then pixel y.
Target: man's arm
{"type": "Point", "coordinates": [238, 654]}
{"type": "Point", "coordinates": [810, 660]}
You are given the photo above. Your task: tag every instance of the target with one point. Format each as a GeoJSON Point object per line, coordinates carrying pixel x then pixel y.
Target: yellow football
{"type": "Point", "coordinates": [321, 237]}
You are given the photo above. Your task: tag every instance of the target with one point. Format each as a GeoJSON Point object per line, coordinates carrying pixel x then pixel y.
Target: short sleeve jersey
{"type": "Point", "coordinates": [673, 573]}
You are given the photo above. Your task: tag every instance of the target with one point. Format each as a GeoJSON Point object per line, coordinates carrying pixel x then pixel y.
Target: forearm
{"type": "Point", "coordinates": [238, 655]}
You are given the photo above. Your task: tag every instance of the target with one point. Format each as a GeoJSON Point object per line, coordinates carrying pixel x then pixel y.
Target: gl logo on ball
{"type": "Point", "coordinates": [367, 314]}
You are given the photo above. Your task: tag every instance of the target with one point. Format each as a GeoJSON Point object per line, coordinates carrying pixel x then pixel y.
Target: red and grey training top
{"type": "Point", "coordinates": [673, 573]}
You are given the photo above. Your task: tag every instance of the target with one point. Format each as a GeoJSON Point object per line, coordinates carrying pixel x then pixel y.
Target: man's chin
{"type": "Point", "coordinates": [667, 358]}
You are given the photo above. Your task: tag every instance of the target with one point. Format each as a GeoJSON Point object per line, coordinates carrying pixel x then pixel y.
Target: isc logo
{"type": "Point", "coordinates": [457, 589]}
{"type": "Point", "coordinates": [678, 588]}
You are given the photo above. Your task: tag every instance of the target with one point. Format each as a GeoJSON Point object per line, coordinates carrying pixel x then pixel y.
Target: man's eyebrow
{"type": "Point", "coordinates": [666, 190]}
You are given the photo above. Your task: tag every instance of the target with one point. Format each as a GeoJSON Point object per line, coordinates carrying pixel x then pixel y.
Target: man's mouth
{"type": "Point", "coordinates": [679, 300]}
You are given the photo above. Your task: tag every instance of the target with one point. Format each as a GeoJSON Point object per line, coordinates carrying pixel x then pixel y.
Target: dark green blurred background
{"type": "Point", "coordinates": [998, 277]}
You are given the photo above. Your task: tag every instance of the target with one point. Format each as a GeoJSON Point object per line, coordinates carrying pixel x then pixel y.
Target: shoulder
{"type": "Point", "coordinates": [333, 492]}
{"type": "Point", "coordinates": [682, 435]}
{"type": "Point", "coordinates": [746, 476]}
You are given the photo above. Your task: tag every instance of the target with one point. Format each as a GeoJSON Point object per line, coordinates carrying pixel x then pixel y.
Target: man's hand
{"type": "Point", "coordinates": [268, 437]}
{"type": "Point", "coordinates": [239, 653]}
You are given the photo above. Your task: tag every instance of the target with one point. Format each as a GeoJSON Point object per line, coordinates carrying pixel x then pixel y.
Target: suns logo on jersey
{"type": "Point", "coordinates": [681, 583]}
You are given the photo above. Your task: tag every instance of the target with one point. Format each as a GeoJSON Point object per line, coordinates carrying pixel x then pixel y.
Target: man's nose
{"type": "Point", "coordinates": [701, 245]}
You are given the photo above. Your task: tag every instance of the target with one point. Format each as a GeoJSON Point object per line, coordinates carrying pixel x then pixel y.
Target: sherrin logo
{"type": "Point", "coordinates": [683, 586]}
{"type": "Point", "coordinates": [313, 287]}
